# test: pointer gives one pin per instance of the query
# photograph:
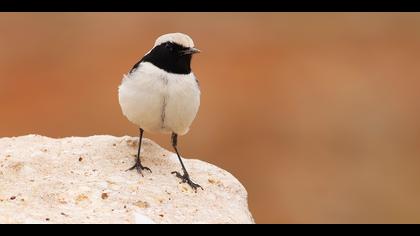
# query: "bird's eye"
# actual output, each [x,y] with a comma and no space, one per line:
[169,46]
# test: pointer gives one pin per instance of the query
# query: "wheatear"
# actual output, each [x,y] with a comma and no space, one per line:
[161,93]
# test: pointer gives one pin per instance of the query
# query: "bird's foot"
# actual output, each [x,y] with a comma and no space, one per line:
[185,178]
[139,167]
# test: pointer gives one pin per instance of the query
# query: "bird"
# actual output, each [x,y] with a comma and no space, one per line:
[161,94]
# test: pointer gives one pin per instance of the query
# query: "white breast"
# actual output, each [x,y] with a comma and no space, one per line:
[158,101]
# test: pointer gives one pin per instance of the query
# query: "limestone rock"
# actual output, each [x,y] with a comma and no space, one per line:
[84,180]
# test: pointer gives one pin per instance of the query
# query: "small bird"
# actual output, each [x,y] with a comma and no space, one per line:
[161,94]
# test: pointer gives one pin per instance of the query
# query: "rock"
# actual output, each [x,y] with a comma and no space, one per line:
[84,180]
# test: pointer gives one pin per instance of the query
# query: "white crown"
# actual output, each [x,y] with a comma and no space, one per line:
[179,38]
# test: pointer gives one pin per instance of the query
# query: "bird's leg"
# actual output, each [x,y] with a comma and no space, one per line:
[138,166]
[185,177]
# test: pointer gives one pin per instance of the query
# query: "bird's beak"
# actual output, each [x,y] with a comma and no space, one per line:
[191,51]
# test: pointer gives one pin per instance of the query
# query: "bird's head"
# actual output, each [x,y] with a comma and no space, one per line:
[172,52]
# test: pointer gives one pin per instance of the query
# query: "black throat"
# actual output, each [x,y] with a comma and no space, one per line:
[168,57]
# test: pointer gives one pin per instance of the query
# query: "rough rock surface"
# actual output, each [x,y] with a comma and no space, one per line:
[83,180]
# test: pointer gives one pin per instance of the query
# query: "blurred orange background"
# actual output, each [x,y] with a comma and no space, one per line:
[317,114]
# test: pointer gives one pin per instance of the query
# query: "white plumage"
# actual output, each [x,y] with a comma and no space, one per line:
[179,38]
[158,101]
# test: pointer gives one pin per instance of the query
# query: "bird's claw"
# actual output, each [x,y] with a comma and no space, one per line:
[185,178]
[139,167]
